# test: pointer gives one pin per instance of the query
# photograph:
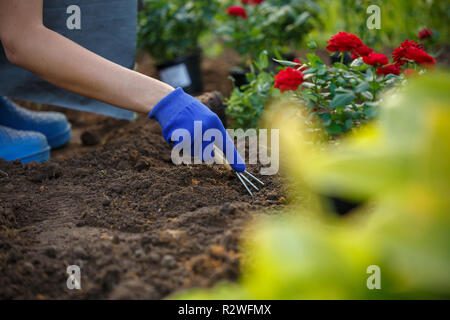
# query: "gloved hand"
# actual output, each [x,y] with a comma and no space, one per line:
[181,111]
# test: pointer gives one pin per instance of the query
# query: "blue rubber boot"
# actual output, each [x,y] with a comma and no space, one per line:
[53,125]
[26,146]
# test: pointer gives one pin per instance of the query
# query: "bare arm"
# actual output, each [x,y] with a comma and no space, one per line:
[60,61]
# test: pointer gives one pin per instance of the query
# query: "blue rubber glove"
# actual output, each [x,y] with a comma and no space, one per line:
[181,111]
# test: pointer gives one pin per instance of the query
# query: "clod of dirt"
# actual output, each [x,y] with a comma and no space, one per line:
[227,209]
[89,138]
[214,100]
[154,257]
[143,164]
[50,252]
[116,239]
[80,253]
[168,262]
[40,173]
[110,278]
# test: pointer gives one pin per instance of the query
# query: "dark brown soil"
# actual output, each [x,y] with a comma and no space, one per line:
[138,226]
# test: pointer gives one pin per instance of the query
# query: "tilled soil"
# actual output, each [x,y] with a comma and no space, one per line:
[137,225]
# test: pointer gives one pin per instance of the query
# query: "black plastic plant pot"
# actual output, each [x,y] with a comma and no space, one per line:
[337,56]
[239,76]
[184,72]
[341,206]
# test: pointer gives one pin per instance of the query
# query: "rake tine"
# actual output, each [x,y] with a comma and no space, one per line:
[248,181]
[244,184]
[255,178]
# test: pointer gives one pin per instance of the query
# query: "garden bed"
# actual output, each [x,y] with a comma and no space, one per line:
[138,226]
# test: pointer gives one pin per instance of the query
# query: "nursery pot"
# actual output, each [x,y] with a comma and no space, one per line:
[340,205]
[184,72]
[239,76]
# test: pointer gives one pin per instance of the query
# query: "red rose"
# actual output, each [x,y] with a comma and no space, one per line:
[425,33]
[288,79]
[361,51]
[389,69]
[399,53]
[376,59]
[419,56]
[343,41]
[237,11]
[245,1]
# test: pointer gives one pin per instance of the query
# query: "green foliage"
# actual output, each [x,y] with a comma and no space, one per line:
[170,29]
[246,104]
[273,25]
[342,97]
[401,163]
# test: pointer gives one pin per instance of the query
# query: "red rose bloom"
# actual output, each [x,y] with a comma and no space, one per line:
[289,79]
[425,33]
[389,69]
[237,11]
[363,51]
[419,56]
[343,41]
[399,53]
[376,59]
[245,1]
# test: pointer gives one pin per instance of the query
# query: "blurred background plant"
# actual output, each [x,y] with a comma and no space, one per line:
[172,29]
[272,25]
[402,165]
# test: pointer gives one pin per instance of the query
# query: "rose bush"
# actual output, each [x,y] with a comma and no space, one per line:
[337,97]
[341,96]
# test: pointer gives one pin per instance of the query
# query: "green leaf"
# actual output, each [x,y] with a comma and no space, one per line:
[340,66]
[334,129]
[367,94]
[310,70]
[364,86]
[312,45]
[341,81]
[308,85]
[314,60]
[342,99]
[264,59]
[322,71]
[326,119]
[369,75]
[357,63]
[286,63]
[348,123]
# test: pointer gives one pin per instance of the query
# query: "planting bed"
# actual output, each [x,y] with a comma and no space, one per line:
[138,226]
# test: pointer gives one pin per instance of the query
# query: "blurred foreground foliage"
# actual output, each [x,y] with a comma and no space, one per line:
[401,164]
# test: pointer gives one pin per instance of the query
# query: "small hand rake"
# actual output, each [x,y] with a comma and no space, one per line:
[243,176]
